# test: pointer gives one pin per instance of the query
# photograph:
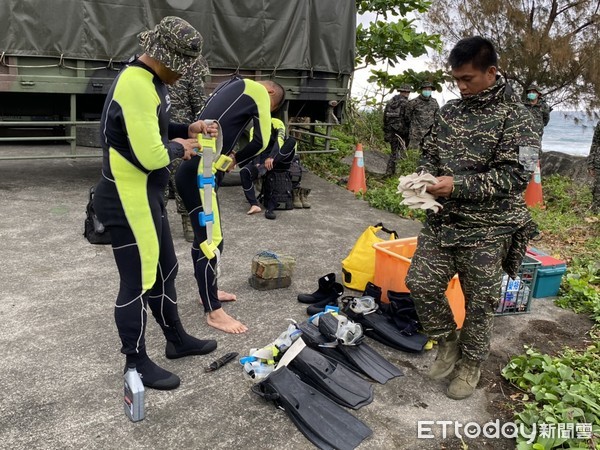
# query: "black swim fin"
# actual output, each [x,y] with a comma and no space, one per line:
[380,327]
[370,362]
[361,358]
[323,422]
[332,378]
[361,355]
[314,339]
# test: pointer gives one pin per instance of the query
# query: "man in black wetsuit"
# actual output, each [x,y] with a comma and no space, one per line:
[234,104]
[138,144]
[278,157]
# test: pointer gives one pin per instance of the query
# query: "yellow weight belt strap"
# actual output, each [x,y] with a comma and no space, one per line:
[209,216]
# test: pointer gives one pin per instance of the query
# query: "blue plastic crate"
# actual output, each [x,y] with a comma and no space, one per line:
[549,274]
[548,280]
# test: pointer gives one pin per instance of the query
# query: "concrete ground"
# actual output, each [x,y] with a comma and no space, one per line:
[61,373]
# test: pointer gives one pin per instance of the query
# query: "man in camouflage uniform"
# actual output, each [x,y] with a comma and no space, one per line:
[396,127]
[538,107]
[187,99]
[420,112]
[482,149]
[593,163]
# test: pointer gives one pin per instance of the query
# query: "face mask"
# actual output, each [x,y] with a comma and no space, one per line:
[426,93]
[532,96]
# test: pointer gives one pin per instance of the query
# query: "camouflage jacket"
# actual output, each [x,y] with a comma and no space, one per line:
[187,96]
[593,160]
[541,114]
[490,147]
[420,112]
[394,116]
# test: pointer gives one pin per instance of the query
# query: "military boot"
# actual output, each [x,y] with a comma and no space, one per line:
[464,380]
[188,231]
[447,355]
[303,197]
[296,197]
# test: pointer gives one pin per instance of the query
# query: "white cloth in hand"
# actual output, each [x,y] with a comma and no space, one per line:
[413,188]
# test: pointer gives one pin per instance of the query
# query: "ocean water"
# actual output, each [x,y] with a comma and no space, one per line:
[564,134]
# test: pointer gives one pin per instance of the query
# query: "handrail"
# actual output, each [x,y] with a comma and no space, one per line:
[316,134]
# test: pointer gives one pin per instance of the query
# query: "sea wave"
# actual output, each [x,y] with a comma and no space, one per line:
[568,132]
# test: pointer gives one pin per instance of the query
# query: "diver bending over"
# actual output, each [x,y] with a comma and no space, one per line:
[233,104]
[278,156]
[129,197]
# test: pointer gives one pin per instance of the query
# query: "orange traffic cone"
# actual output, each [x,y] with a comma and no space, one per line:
[357,181]
[533,193]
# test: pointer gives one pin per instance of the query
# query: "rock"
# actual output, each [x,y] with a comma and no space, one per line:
[375,161]
[564,164]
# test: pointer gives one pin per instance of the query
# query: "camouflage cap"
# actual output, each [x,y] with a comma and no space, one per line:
[405,88]
[426,84]
[534,87]
[173,42]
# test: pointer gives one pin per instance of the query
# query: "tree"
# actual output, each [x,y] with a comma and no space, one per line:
[390,41]
[410,77]
[551,43]
[387,40]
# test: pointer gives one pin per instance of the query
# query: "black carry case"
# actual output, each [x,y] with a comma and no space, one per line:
[93,230]
[278,186]
[296,172]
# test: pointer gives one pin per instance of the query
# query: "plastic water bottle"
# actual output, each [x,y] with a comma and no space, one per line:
[133,400]
[257,370]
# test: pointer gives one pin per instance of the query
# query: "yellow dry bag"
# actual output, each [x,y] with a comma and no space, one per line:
[359,266]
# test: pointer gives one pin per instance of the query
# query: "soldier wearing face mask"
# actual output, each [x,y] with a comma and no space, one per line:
[538,107]
[420,112]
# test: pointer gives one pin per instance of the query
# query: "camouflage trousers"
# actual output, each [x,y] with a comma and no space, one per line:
[480,274]
[398,151]
[180,206]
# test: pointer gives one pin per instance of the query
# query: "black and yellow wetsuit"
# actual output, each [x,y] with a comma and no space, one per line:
[234,103]
[280,148]
[135,134]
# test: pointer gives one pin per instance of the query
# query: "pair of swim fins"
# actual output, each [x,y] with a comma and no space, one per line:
[399,333]
[361,357]
[332,378]
[326,424]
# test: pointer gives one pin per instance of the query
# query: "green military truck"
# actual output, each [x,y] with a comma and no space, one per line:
[58,58]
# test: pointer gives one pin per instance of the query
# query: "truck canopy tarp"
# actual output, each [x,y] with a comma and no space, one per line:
[316,35]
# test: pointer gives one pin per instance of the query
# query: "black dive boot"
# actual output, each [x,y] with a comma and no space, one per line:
[325,291]
[180,344]
[318,307]
[372,290]
[153,376]
[402,304]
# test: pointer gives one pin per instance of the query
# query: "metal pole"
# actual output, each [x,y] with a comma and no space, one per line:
[328,129]
[73,128]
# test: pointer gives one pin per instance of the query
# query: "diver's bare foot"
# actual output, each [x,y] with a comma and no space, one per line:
[226,296]
[254,209]
[220,320]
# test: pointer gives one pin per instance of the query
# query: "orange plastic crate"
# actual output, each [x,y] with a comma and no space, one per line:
[392,260]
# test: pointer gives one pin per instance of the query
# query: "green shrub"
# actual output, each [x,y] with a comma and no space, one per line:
[559,390]
[579,289]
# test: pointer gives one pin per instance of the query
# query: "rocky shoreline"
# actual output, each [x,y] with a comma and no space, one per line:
[574,167]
